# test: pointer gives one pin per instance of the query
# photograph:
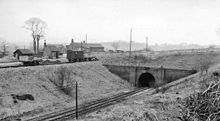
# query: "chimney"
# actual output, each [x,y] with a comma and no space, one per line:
[72,41]
[45,43]
[81,45]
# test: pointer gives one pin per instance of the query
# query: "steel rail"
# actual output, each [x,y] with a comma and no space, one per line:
[86,107]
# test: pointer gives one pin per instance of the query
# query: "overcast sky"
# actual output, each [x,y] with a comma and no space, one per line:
[163,21]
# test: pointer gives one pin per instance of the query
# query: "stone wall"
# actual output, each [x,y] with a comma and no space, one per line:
[162,75]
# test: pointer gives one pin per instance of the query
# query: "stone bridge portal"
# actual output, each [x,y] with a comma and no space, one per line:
[148,76]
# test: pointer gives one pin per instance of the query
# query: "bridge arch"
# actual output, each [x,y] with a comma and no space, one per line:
[146,80]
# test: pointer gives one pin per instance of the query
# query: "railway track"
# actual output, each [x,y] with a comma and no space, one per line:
[86,107]
[52,63]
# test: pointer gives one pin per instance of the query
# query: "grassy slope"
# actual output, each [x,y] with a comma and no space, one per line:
[144,107]
[160,106]
[95,81]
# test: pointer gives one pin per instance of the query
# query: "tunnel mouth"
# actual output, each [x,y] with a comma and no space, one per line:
[146,80]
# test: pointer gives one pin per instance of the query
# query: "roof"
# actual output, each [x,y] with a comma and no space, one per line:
[88,45]
[57,45]
[94,45]
[24,51]
[52,47]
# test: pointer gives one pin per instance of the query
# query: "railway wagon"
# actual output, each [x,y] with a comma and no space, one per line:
[28,60]
[78,56]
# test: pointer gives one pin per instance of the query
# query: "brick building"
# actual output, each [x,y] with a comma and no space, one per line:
[88,47]
[53,50]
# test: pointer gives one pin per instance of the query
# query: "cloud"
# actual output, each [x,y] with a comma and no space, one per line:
[172,21]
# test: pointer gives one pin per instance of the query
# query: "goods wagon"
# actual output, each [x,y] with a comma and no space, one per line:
[79,56]
[28,60]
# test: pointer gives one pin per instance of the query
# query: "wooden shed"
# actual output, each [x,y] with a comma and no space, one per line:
[23,52]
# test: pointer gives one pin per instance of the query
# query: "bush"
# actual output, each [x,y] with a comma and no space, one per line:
[203,106]
[63,81]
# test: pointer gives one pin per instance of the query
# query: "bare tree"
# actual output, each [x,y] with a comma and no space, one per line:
[37,28]
[4,46]
[15,47]
[115,45]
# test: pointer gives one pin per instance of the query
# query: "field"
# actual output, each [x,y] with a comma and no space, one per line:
[185,60]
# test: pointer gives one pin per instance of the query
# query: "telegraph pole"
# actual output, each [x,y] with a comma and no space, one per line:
[130,42]
[86,42]
[146,43]
[76,102]
[81,46]
[72,41]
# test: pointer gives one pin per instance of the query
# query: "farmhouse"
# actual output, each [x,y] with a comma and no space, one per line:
[94,47]
[61,47]
[53,50]
[23,52]
[88,47]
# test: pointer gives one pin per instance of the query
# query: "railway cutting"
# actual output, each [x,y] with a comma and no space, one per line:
[89,107]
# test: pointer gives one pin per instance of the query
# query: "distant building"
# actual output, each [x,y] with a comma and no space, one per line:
[111,51]
[23,52]
[88,47]
[53,50]
[95,47]
[1,54]
[120,51]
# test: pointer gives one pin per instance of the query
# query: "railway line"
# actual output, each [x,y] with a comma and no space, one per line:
[86,107]
[32,60]
[43,64]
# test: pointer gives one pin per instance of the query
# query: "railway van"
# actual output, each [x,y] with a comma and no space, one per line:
[79,56]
